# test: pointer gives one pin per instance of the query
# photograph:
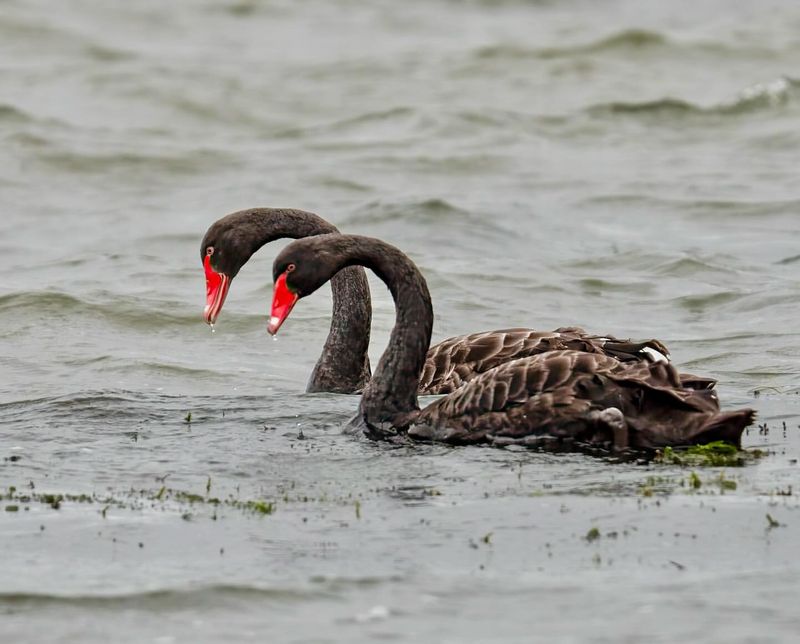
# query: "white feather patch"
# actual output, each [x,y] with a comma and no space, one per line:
[655,356]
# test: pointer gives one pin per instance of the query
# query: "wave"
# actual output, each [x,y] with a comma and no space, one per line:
[89,399]
[476,164]
[628,41]
[347,185]
[433,210]
[106,54]
[124,409]
[624,41]
[126,311]
[356,121]
[209,595]
[700,207]
[12,30]
[11,114]
[190,162]
[92,401]
[401,126]
[110,364]
[16,116]
[598,286]
[426,210]
[688,266]
[701,303]
[729,208]
[647,264]
[634,259]
[756,98]
[743,338]
[789,260]
[155,599]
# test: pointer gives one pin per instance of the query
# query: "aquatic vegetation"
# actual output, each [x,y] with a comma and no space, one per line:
[725,483]
[714,454]
[658,485]
[666,485]
[259,507]
[186,497]
[53,500]
[134,499]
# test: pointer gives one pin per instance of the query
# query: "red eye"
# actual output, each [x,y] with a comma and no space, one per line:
[210,250]
[290,268]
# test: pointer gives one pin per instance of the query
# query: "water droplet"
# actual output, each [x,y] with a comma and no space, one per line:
[274,338]
[212,328]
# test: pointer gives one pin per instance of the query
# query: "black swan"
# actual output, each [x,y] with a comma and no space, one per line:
[343,366]
[558,401]
[229,242]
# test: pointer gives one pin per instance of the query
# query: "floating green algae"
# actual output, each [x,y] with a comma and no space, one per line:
[258,507]
[592,535]
[134,500]
[714,454]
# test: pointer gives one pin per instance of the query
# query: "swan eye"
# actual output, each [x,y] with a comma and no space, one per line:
[210,251]
[290,268]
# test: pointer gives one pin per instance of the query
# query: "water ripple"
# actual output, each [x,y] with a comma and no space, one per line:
[622,42]
[124,310]
[166,600]
[628,42]
[755,99]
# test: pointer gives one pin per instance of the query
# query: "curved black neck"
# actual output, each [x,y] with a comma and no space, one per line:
[260,226]
[391,395]
[343,366]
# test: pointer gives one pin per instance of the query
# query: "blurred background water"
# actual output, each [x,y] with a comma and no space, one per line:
[626,166]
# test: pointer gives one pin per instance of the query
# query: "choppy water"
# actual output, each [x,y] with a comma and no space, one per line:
[629,167]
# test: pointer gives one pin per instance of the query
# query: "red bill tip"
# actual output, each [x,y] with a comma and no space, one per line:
[283,300]
[216,290]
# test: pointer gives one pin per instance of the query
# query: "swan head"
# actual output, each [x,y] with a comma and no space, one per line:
[225,248]
[300,269]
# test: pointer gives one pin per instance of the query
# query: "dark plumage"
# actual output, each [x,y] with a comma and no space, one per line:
[561,400]
[343,366]
[457,360]
[569,400]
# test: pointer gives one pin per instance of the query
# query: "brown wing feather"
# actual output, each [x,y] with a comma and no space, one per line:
[455,361]
[559,400]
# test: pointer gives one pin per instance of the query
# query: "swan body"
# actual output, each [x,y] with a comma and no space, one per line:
[558,400]
[569,400]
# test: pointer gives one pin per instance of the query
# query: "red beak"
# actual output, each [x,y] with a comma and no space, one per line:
[217,285]
[283,300]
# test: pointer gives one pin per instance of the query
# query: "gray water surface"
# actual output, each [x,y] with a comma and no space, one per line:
[630,167]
